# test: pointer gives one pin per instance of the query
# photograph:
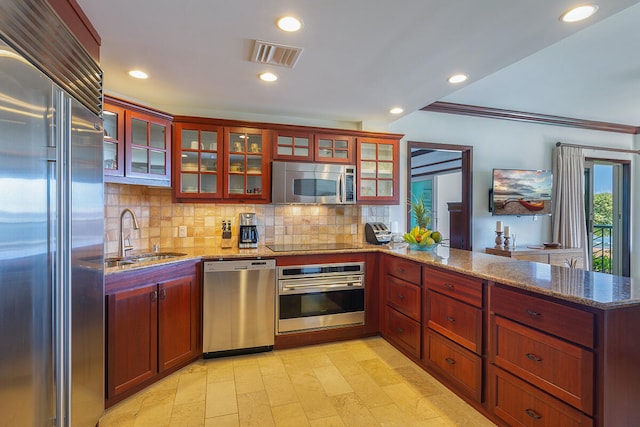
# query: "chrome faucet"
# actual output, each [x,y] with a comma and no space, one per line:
[121,247]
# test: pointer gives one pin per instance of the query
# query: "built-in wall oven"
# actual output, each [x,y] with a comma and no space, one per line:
[320,296]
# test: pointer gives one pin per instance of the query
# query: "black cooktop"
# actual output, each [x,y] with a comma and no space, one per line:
[293,247]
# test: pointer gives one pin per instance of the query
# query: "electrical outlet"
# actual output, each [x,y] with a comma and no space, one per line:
[182,231]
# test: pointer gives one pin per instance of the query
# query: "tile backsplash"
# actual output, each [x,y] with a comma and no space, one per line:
[159,220]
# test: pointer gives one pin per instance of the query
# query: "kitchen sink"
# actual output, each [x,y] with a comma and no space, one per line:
[136,259]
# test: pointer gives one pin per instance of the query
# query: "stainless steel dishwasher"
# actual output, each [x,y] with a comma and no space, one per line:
[238,306]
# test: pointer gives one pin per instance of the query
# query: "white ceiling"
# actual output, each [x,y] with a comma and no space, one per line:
[362,57]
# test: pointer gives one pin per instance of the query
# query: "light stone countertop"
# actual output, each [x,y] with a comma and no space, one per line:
[598,290]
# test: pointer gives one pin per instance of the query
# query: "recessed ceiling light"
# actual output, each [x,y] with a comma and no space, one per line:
[138,74]
[289,23]
[579,13]
[396,110]
[268,77]
[457,78]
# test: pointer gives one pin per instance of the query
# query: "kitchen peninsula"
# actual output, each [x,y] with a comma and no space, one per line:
[571,326]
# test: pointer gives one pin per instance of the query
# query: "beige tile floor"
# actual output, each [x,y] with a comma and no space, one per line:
[363,382]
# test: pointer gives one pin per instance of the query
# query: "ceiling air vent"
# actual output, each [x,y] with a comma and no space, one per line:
[275,54]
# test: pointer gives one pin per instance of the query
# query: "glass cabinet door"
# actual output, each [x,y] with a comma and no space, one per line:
[293,146]
[114,140]
[148,146]
[377,170]
[199,165]
[246,162]
[334,148]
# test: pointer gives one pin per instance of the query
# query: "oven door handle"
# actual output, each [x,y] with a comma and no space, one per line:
[311,288]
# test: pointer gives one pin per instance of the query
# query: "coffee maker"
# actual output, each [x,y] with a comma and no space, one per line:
[248,237]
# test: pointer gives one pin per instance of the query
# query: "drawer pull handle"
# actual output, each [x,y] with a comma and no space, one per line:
[400,330]
[533,414]
[532,313]
[400,270]
[448,286]
[400,296]
[533,357]
[450,361]
[450,319]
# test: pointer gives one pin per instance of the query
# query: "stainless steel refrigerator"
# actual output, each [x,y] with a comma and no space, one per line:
[51,252]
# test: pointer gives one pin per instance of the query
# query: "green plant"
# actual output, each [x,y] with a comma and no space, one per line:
[420,212]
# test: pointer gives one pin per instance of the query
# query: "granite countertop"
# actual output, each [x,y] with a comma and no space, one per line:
[598,290]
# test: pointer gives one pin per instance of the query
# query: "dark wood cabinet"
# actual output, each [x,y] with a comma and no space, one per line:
[247,163]
[452,333]
[132,328]
[137,144]
[177,340]
[457,225]
[517,403]
[546,344]
[197,162]
[293,145]
[402,305]
[153,326]
[456,320]
[461,368]
[378,170]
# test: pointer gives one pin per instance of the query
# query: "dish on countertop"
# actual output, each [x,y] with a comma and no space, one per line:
[552,245]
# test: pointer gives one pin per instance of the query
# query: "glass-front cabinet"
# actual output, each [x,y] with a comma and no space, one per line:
[137,144]
[293,145]
[113,146]
[247,155]
[334,148]
[199,161]
[148,149]
[378,171]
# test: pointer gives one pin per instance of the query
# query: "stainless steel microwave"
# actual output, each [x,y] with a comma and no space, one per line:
[329,184]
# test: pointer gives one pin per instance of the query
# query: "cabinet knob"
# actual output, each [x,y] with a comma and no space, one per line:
[450,361]
[448,286]
[400,296]
[450,319]
[533,414]
[163,294]
[154,296]
[400,330]
[532,313]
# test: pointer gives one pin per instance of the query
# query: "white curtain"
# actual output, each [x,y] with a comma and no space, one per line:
[569,223]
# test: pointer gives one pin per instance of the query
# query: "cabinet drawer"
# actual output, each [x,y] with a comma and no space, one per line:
[403,296]
[519,404]
[455,320]
[562,369]
[547,316]
[454,285]
[402,331]
[462,367]
[403,269]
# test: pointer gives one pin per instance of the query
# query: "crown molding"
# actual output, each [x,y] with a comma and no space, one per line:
[545,119]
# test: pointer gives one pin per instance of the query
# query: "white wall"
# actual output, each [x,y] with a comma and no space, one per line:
[449,189]
[503,144]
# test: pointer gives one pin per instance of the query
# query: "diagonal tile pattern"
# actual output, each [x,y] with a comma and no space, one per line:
[363,382]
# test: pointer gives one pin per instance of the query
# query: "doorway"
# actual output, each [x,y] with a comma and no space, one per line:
[433,176]
[607,208]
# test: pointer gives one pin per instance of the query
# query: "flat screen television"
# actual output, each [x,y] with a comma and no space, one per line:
[521,192]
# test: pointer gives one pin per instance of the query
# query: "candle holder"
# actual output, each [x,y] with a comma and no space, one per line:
[499,239]
[506,242]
